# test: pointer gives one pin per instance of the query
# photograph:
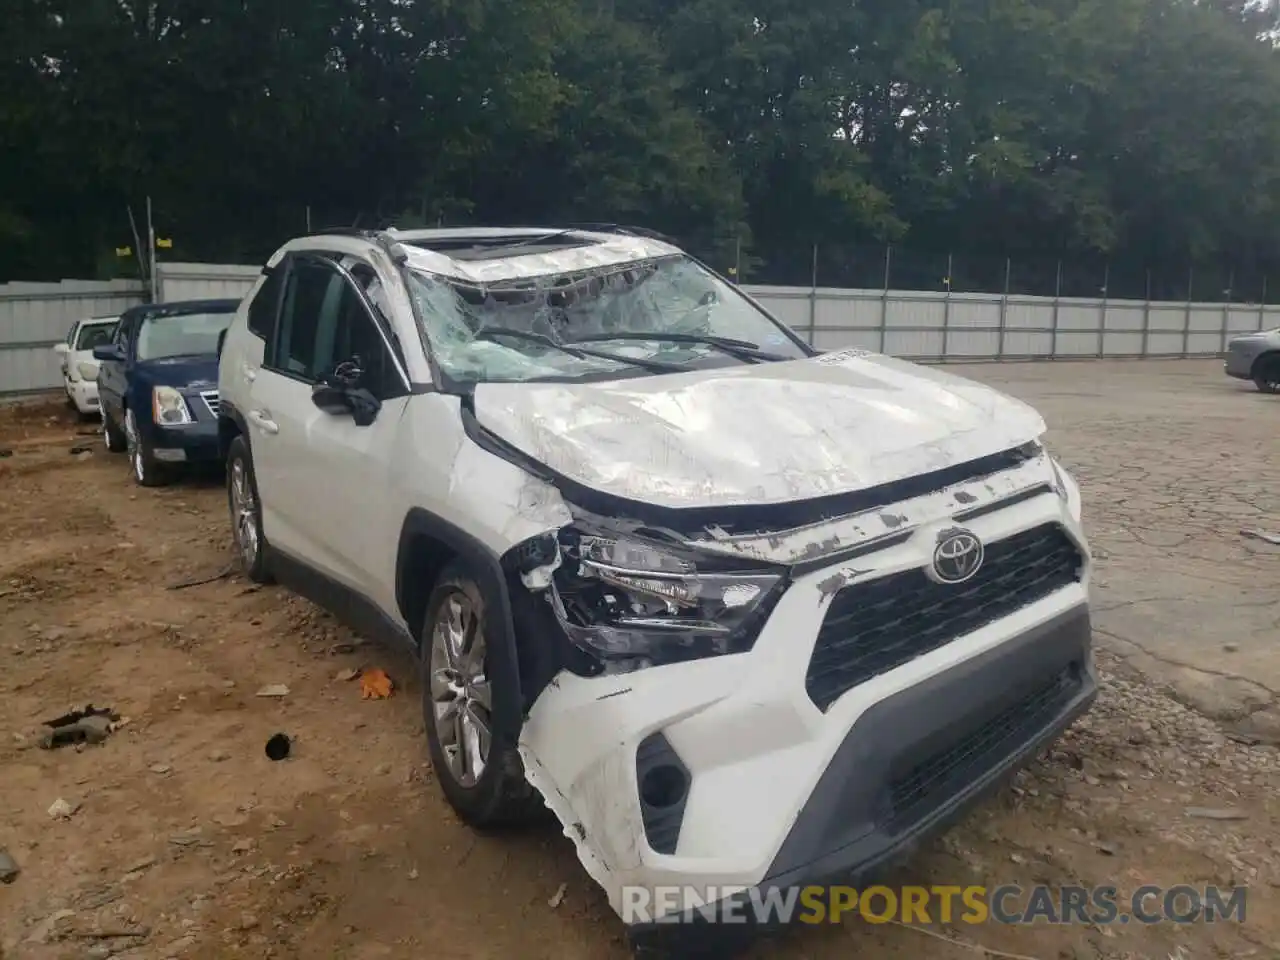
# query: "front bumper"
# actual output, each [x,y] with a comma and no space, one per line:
[1239,359]
[963,732]
[189,443]
[781,791]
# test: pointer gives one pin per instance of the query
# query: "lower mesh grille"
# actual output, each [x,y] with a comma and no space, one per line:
[930,783]
[874,627]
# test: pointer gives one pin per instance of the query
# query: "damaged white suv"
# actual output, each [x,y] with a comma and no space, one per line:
[742,615]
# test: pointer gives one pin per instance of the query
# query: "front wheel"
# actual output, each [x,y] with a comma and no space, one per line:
[146,471]
[480,773]
[1266,374]
[246,512]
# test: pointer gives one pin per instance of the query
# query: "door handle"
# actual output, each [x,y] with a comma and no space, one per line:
[263,422]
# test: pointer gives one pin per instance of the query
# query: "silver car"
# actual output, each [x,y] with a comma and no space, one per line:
[1256,357]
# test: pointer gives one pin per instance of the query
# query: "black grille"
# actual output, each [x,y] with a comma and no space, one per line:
[924,787]
[874,627]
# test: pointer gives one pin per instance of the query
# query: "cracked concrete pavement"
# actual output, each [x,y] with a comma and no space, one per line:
[1174,460]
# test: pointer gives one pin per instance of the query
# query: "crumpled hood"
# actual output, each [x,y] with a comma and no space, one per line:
[766,433]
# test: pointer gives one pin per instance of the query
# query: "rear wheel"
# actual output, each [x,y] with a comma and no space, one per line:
[480,773]
[1266,373]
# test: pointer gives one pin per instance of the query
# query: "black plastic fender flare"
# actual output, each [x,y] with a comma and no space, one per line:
[229,411]
[508,713]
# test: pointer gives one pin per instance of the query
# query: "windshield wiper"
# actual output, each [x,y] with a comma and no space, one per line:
[742,349]
[658,366]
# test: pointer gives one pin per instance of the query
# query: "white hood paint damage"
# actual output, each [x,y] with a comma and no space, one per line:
[770,433]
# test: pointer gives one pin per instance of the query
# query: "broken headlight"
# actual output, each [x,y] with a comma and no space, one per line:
[630,599]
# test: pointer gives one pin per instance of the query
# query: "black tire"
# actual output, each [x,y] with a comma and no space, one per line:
[112,435]
[1266,373]
[142,465]
[500,796]
[252,556]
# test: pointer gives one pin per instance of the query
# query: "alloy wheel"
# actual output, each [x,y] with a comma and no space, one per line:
[460,693]
[244,514]
[134,446]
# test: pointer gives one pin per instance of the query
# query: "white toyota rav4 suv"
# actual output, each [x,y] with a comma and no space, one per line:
[741,614]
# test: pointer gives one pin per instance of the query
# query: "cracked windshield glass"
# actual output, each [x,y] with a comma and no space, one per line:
[632,319]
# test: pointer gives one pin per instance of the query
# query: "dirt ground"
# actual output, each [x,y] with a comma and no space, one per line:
[184,840]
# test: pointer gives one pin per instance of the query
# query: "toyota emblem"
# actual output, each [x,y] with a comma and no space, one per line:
[957,557]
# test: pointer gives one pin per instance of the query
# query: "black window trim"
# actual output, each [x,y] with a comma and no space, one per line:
[279,272]
[269,359]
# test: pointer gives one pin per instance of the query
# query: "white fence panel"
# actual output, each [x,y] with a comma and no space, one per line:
[35,316]
[205,281]
[913,324]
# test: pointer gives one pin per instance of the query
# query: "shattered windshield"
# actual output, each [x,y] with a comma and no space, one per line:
[595,323]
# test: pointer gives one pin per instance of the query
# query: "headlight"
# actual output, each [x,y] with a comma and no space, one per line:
[623,598]
[88,370]
[168,408]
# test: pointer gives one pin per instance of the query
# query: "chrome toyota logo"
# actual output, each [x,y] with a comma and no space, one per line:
[957,557]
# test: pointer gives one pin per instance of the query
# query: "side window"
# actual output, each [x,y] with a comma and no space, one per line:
[303,344]
[263,309]
[358,340]
[324,322]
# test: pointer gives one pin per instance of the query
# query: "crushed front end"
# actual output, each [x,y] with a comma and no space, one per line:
[774,696]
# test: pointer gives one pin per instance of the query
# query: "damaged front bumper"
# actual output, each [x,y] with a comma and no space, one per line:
[851,726]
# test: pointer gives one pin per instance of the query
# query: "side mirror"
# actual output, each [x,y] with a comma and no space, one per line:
[61,348]
[337,394]
[108,351]
[330,398]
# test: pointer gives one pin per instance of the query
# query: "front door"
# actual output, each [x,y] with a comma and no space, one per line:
[322,478]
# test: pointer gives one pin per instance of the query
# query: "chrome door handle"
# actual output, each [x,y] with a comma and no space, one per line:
[263,422]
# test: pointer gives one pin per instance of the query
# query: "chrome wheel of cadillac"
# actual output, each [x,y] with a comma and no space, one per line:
[244,513]
[134,446]
[460,692]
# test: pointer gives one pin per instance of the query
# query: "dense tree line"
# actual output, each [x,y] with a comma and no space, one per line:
[1139,132]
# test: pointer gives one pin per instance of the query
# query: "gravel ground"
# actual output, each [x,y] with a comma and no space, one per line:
[180,838]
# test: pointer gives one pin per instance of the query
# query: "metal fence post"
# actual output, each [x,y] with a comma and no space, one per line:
[1146,318]
[737,260]
[813,297]
[946,311]
[1004,309]
[1102,311]
[1226,312]
[1053,331]
[884,297]
[1186,320]
[1262,307]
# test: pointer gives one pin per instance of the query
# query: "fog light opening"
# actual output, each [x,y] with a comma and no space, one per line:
[663,786]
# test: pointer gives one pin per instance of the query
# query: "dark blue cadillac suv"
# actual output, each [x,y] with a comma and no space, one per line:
[158,385]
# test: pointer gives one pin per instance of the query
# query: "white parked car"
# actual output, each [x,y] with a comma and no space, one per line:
[742,615]
[79,368]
